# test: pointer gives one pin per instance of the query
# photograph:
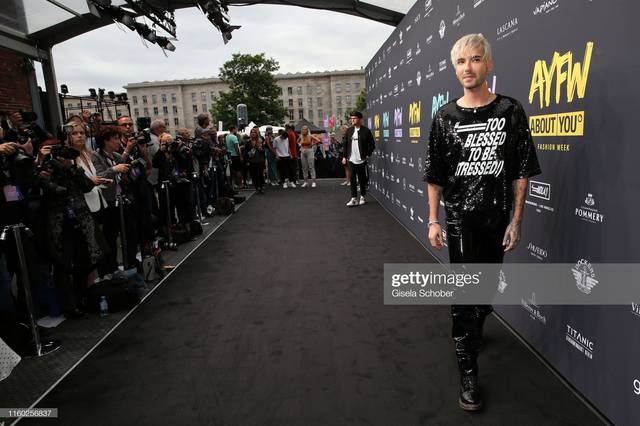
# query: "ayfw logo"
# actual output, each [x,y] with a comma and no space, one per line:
[540,190]
[397,117]
[585,276]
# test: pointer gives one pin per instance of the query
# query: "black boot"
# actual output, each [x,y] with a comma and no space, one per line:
[470,399]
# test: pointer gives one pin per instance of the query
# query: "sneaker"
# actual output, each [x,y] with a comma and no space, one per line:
[345,183]
[362,200]
[285,185]
[313,184]
[293,185]
[304,185]
[274,184]
[352,202]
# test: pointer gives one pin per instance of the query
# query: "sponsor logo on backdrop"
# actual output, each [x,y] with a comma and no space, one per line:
[385,124]
[477,3]
[420,192]
[542,191]
[411,164]
[418,77]
[412,188]
[404,184]
[420,164]
[376,125]
[579,341]
[438,100]
[389,72]
[502,282]
[397,122]
[414,120]
[404,161]
[430,73]
[401,86]
[411,214]
[442,28]
[429,39]
[400,37]
[396,91]
[534,310]
[420,219]
[409,27]
[480,144]
[566,76]
[636,386]
[409,55]
[635,309]
[418,49]
[428,7]
[508,28]
[537,252]
[546,7]
[459,17]
[585,276]
[588,211]
[369,123]
[442,65]
[417,18]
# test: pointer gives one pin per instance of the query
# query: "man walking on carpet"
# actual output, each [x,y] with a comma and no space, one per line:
[479,157]
[358,146]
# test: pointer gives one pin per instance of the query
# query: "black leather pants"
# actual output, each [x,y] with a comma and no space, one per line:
[473,238]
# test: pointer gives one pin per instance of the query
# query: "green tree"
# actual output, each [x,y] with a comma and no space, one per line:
[361,102]
[251,82]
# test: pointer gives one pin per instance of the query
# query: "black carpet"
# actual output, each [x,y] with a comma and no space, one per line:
[278,319]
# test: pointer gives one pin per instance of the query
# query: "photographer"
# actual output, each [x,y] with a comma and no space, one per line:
[69,228]
[175,164]
[20,127]
[201,149]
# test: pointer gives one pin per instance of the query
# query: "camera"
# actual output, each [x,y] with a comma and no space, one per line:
[143,137]
[64,151]
[138,169]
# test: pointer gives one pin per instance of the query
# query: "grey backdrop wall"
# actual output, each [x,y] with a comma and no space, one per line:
[574,66]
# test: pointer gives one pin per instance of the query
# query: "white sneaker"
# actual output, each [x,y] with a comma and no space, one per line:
[285,185]
[313,184]
[362,200]
[352,202]
[345,183]
[304,185]
[293,185]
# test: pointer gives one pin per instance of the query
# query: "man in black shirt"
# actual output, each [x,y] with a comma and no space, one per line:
[480,155]
[358,147]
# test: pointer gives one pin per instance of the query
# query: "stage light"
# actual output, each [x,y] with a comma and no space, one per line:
[164,43]
[101,93]
[124,96]
[111,94]
[92,92]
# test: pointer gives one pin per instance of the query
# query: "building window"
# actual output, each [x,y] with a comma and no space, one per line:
[176,121]
[155,110]
[356,86]
[338,87]
[173,98]
[319,102]
[309,102]
[289,90]
[299,90]
[136,112]
[164,98]
[203,96]
[175,109]
[318,90]
[204,107]
[338,100]
[135,100]
[348,99]
[213,95]
[310,114]
[146,111]
[290,102]
[290,115]
[144,99]
[193,96]
[300,114]
[347,87]
[154,99]
[195,121]
[166,122]
[195,108]
[320,115]
[300,102]
[165,110]
[309,90]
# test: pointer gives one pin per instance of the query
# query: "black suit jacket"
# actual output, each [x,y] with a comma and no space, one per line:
[366,143]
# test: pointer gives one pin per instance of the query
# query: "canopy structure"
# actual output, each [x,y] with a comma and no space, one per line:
[312,127]
[33,27]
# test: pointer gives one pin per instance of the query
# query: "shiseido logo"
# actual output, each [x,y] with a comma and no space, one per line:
[546,7]
[540,190]
[579,341]
[537,252]
[442,29]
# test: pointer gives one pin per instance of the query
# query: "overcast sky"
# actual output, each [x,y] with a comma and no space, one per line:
[299,39]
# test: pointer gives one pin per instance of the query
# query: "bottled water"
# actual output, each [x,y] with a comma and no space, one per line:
[104,306]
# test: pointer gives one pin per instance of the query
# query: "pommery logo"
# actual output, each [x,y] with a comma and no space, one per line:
[588,211]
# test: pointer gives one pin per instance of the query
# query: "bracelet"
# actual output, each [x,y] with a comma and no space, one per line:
[432,222]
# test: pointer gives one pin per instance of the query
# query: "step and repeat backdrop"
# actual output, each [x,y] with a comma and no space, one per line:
[574,66]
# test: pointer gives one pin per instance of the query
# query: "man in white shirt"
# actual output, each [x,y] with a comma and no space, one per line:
[358,147]
[281,146]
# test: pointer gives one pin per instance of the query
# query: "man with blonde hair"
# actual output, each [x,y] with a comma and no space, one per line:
[479,157]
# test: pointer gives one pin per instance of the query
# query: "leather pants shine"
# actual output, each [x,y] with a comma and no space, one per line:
[473,238]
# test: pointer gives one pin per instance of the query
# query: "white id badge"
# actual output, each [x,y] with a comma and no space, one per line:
[12,193]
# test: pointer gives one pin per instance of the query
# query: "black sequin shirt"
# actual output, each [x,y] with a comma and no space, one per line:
[475,154]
